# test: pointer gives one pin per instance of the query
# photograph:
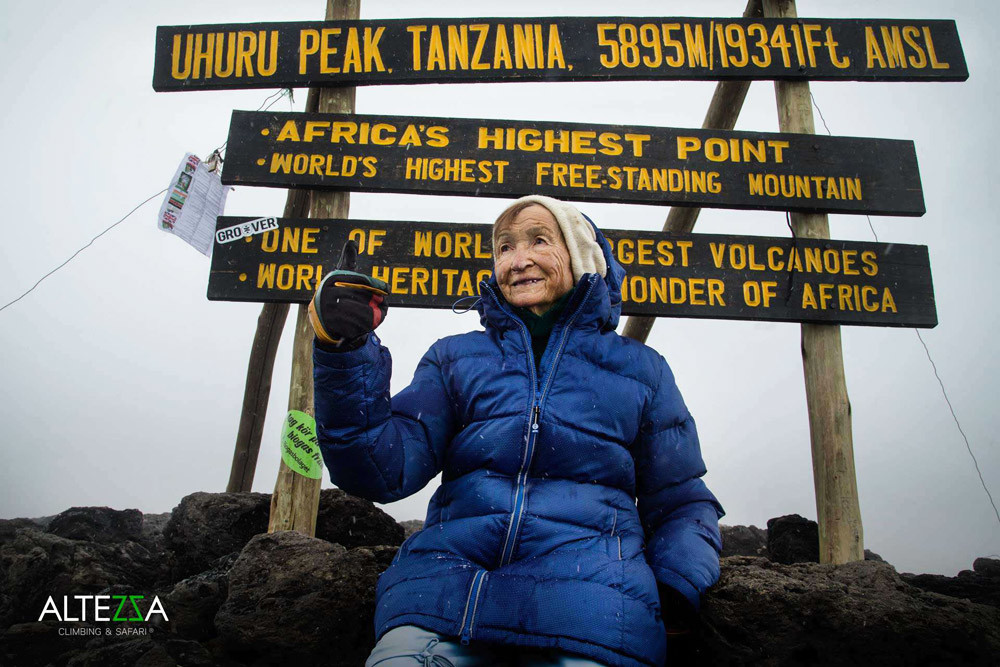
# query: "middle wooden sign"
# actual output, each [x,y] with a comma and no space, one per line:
[637,164]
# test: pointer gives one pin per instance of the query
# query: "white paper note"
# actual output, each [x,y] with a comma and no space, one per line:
[196,197]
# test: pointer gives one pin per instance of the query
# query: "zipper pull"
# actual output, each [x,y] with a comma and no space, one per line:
[466,637]
[534,419]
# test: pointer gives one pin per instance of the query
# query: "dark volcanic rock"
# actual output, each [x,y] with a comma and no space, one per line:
[743,541]
[250,598]
[871,555]
[792,539]
[207,526]
[27,644]
[152,531]
[411,526]
[97,524]
[982,584]
[142,652]
[988,567]
[189,653]
[35,565]
[860,613]
[354,522]
[193,602]
[9,527]
[299,600]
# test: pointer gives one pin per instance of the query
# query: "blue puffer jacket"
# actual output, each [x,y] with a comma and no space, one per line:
[534,537]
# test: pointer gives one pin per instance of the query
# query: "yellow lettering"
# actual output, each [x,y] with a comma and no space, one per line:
[646,252]
[420,276]
[481,30]
[555,53]
[888,303]
[501,50]
[421,244]
[309,240]
[286,276]
[910,35]
[225,59]
[825,295]
[687,144]
[373,56]
[868,259]
[352,55]
[203,56]
[263,69]
[893,43]
[435,50]
[327,50]
[308,45]
[246,47]
[718,253]
[175,57]
[872,51]
[265,275]
[715,290]
[695,42]
[416,31]
[808,297]
[524,46]
[935,63]
[458,46]
[665,251]
[303,274]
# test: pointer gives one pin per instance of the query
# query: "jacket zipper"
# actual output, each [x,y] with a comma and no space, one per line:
[536,410]
[468,619]
[473,598]
[522,476]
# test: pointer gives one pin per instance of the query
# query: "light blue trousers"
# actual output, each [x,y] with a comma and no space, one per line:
[410,646]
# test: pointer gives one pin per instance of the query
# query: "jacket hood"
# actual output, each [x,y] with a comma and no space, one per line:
[604,302]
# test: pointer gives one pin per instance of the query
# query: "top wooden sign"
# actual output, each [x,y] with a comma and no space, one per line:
[358,53]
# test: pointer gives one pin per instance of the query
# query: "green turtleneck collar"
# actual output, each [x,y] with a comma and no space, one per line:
[540,326]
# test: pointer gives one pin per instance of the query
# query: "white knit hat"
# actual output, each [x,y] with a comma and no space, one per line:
[585,253]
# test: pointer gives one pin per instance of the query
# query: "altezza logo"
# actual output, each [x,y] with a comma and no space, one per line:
[125,608]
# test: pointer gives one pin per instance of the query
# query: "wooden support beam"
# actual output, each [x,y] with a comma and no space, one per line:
[255,396]
[260,368]
[295,501]
[721,115]
[839,515]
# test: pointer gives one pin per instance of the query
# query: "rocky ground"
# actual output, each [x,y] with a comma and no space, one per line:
[236,596]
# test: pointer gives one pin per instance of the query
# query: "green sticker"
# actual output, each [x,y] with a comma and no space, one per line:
[299,447]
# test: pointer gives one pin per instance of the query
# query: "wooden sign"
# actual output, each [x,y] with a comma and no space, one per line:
[432,265]
[358,53]
[504,158]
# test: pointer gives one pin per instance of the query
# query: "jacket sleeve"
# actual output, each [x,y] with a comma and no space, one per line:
[374,446]
[680,516]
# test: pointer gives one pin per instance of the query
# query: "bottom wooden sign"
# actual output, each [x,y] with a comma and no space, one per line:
[432,265]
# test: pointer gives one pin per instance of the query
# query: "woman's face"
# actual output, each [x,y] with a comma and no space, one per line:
[531,261]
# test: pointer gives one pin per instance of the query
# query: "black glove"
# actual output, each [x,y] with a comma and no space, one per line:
[679,617]
[347,305]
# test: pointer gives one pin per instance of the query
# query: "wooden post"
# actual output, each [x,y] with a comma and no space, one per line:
[840,533]
[721,115]
[255,396]
[260,368]
[295,501]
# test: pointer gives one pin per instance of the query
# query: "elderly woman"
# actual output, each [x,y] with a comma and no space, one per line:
[548,427]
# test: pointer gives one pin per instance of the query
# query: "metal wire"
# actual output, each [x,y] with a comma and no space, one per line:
[144,202]
[944,392]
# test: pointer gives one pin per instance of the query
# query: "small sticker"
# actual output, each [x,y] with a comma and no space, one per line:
[299,447]
[248,228]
